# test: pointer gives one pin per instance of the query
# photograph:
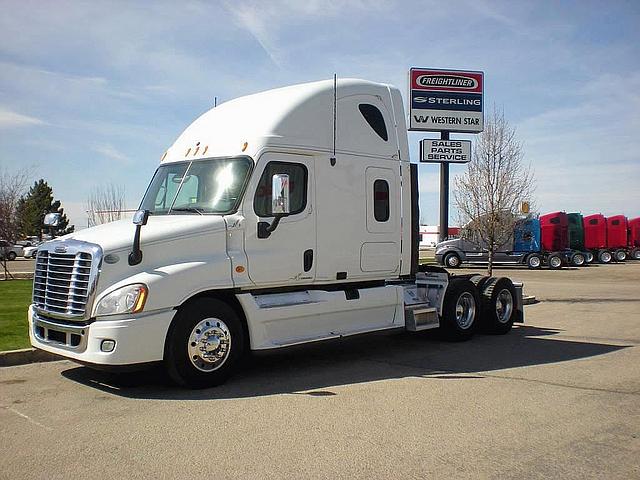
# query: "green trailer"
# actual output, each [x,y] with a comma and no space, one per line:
[576,235]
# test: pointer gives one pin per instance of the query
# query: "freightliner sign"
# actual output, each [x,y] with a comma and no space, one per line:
[451,151]
[445,100]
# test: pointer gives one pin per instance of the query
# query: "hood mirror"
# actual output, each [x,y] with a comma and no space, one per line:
[139,220]
[52,219]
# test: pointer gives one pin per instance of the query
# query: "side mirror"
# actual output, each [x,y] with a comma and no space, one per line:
[141,217]
[52,219]
[279,204]
[280,194]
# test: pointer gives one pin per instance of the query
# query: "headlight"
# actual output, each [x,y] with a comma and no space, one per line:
[128,299]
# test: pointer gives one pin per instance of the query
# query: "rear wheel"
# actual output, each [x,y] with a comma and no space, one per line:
[589,257]
[578,259]
[11,256]
[635,254]
[534,261]
[460,310]
[620,255]
[604,256]
[555,261]
[204,345]
[498,300]
[452,260]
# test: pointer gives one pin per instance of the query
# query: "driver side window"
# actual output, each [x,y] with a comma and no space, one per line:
[297,188]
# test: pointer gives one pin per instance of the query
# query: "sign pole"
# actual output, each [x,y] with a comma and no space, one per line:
[444,196]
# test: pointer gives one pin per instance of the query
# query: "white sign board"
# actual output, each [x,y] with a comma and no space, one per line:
[449,151]
[446,100]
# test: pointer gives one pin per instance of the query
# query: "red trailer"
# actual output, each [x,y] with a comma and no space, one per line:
[595,237]
[617,237]
[633,238]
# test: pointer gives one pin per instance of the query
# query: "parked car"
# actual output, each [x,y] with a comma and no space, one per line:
[31,252]
[10,252]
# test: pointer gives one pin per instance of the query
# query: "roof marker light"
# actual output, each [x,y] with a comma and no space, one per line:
[244,146]
[205,149]
[187,154]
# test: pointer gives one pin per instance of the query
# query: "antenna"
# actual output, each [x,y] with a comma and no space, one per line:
[335,114]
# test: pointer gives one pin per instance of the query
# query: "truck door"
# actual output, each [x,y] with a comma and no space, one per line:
[288,255]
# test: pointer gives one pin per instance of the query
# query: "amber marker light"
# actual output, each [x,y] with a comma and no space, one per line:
[239,269]
[142,298]
[244,146]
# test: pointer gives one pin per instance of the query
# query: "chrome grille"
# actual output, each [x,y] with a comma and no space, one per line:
[62,283]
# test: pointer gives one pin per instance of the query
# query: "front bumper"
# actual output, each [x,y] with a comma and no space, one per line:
[439,258]
[138,339]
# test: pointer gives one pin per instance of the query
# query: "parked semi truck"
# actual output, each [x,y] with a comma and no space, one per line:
[270,222]
[535,242]
[633,242]
[607,238]
[576,235]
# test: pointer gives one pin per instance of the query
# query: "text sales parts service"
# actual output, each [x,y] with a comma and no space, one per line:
[446,100]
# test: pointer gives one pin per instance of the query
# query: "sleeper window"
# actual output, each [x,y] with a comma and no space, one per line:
[381,200]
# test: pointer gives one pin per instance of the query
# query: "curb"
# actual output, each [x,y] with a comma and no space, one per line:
[11,358]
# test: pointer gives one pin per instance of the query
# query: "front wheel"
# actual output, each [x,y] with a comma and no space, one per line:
[621,255]
[205,344]
[452,260]
[555,261]
[635,254]
[604,256]
[11,256]
[589,257]
[460,310]
[578,259]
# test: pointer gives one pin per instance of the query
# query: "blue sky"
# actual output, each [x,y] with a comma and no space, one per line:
[94,92]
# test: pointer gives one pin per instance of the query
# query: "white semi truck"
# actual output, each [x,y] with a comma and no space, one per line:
[281,218]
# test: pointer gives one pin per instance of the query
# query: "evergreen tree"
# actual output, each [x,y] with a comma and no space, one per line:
[35,205]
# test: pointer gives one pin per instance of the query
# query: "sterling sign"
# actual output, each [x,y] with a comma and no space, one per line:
[449,151]
[446,100]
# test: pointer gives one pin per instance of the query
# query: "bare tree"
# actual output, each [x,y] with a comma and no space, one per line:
[12,187]
[105,204]
[488,195]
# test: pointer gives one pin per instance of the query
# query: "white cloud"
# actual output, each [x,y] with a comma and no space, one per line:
[110,152]
[10,119]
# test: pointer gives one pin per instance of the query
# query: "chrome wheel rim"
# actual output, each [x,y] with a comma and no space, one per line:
[209,344]
[555,262]
[534,262]
[637,255]
[465,310]
[453,261]
[589,257]
[578,260]
[606,257]
[504,305]
[621,256]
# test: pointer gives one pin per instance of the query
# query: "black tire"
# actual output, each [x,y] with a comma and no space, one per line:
[635,254]
[555,261]
[499,302]
[578,259]
[604,256]
[534,261]
[455,325]
[620,255]
[479,281]
[178,360]
[452,260]
[589,257]
[11,256]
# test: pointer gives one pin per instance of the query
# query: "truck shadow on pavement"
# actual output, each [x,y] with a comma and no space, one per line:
[316,369]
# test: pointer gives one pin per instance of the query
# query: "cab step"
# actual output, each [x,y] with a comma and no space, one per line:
[421,316]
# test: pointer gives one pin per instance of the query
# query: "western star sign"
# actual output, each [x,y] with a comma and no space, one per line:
[446,100]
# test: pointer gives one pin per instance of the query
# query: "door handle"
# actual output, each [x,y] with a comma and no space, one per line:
[308,260]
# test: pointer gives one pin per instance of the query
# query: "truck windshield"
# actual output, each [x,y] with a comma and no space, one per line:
[197,187]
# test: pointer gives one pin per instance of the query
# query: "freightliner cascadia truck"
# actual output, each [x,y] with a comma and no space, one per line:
[276,219]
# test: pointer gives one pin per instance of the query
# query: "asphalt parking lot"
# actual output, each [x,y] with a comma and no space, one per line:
[20,266]
[556,398]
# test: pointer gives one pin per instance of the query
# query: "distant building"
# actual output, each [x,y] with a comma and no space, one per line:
[429,234]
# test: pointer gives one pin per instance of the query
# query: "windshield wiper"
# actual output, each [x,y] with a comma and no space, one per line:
[188,209]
